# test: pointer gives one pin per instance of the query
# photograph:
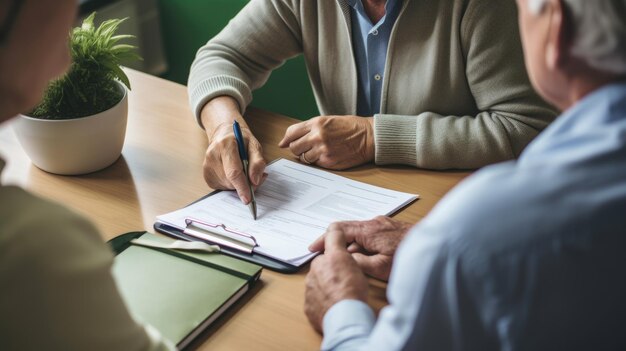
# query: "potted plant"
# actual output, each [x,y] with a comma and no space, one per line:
[80,125]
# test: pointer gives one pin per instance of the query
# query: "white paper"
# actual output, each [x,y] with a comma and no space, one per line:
[295,205]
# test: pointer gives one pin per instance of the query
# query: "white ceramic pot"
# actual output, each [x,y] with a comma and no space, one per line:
[75,146]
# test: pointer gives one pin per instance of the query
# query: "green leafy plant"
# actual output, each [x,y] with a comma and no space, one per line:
[90,85]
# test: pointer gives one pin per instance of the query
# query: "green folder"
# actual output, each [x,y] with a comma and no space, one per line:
[180,293]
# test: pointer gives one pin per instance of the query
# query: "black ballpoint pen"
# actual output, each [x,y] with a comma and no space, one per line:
[244,160]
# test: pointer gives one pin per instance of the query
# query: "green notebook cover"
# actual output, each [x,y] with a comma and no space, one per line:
[178,292]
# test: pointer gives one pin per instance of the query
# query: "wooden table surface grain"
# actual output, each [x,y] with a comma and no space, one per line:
[161,170]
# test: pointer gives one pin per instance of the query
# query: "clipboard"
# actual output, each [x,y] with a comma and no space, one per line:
[304,198]
[245,255]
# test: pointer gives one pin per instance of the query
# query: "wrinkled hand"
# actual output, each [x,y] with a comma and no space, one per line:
[373,243]
[334,142]
[222,165]
[334,276]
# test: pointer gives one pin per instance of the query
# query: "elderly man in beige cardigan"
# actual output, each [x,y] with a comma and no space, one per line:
[431,84]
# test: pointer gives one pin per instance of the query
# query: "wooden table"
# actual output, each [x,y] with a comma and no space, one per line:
[161,170]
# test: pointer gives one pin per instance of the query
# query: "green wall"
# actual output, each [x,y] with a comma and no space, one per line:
[189,24]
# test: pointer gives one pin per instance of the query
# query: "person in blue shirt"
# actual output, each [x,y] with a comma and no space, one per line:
[523,255]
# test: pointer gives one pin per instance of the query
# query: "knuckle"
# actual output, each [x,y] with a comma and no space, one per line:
[292,146]
[255,145]
[211,151]
[321,134]
[316,135]
[328,122]
[334,227]
[233,173]
[323,162]
[259,164]
[380,219]
[290,129]
[226,143]
[218,146]
[383,221]
[366,240]
[206,164]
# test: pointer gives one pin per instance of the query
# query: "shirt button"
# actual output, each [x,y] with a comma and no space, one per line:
[375,32]
[377,77]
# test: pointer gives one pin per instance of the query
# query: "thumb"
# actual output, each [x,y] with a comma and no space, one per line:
[318,244]
[294,132]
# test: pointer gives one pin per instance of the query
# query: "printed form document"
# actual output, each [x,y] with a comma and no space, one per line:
[295,205]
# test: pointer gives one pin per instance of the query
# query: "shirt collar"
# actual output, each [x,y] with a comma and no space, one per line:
[390,6]
[602,106]
[602,110]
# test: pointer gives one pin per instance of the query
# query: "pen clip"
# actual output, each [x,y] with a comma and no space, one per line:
[241,146]
[229,238]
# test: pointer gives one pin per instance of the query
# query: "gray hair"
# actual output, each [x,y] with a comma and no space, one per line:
[600,32]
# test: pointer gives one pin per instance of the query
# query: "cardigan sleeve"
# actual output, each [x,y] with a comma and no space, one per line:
[511,113]
[263,35]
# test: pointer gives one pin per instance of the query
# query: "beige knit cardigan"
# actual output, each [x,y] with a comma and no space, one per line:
[455,91]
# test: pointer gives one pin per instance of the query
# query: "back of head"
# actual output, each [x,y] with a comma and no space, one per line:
[573,47]
[33,49]
[599,37]
[600,33]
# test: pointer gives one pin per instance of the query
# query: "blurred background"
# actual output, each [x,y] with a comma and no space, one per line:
[169,32]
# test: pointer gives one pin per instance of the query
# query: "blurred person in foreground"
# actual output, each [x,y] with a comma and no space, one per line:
[56,287]
[523,255]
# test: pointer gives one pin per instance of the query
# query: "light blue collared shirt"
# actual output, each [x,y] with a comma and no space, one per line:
[526,255]
[370,42]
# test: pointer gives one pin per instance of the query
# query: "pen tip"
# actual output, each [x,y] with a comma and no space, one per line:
[253,209]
